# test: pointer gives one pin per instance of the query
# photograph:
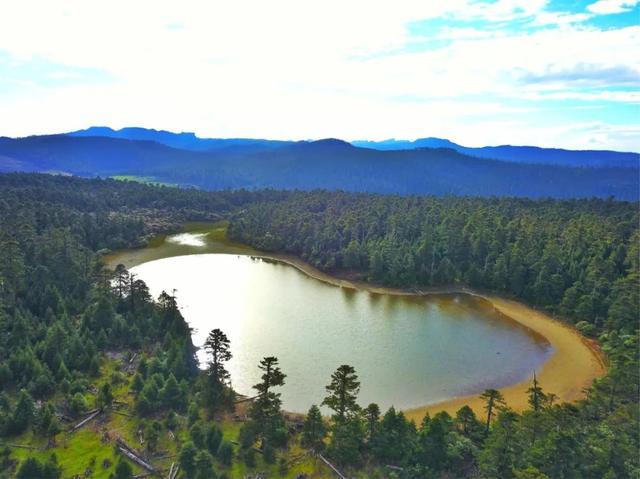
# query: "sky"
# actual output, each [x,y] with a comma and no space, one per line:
[561,73]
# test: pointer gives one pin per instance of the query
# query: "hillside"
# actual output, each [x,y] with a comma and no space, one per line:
[185,140]
[326,164]
[514,154]
[518,154]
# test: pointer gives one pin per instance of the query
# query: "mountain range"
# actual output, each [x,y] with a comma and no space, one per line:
[427,166]
[517,154]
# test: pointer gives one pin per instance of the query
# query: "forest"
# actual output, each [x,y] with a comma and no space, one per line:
[78,340]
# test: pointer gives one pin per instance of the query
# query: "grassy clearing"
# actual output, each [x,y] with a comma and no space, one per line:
[216,241]
[91,452]
[85,449]
[148,180]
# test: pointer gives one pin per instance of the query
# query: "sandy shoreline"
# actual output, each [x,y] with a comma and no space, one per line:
[575,363]
[573,366]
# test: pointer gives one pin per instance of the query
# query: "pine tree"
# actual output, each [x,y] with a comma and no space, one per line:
[314,429]
[217,346]
[494,401]
[537,397]
[265,412]
[343,392]
[371,416]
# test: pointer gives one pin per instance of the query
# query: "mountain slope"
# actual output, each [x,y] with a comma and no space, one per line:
[187,141]
[517,154]
[328,164]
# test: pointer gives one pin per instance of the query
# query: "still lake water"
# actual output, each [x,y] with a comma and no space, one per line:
[407,351]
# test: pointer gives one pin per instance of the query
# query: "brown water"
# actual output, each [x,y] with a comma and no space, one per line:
[407,351]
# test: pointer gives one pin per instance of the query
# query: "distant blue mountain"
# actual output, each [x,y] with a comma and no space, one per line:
[184,141]
[306,165]
[393,144]
[514,154]
[517,154]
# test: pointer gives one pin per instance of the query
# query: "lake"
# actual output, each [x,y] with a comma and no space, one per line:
[408,351]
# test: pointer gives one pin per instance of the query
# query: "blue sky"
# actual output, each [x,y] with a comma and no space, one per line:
[550,73]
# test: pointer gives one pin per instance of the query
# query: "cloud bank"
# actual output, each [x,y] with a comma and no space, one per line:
[479,72]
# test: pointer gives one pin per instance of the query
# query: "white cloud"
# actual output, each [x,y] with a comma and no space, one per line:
[300,69]
[559,18]
[598,135]
[606,7]
[629,97]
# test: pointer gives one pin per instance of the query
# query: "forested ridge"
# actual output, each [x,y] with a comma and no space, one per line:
[330,163]
[75,337]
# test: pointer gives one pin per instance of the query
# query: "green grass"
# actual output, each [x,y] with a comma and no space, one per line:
[216,235]
[85,448]
[75,453]
[158,247]
[148,180]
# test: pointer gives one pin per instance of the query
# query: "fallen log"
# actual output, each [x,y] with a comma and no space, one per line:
[246,399]
[173,471]
[84,421]
[21,446]
[394,468]
[332,467]
[137,460]
[123,443]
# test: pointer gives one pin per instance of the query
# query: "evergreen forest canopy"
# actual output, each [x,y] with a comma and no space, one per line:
[75,337]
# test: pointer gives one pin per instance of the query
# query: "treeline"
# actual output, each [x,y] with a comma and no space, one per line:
[576,258]
[106,213]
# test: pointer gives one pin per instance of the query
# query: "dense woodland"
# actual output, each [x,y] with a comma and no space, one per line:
[64,318]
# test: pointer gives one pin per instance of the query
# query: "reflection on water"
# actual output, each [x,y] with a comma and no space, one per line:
[189,239]
[408,351]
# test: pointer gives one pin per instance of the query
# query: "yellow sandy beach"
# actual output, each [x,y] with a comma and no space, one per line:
[575,363]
